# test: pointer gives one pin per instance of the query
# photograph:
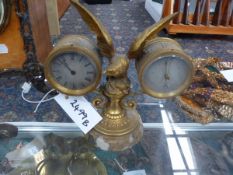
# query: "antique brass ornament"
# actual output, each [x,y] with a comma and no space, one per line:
[86,164]
[5,13]
[121,126]
[79,163]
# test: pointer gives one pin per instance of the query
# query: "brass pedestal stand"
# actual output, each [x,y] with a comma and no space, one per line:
[121,126]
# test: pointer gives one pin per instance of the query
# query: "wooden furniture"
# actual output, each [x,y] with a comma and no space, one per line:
[11,37]
[55,9]
[202,20]
[62,6]
[39,23]
[53,18]
[40,27]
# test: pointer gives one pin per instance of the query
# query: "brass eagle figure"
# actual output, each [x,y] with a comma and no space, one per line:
[121,126]
[119,65]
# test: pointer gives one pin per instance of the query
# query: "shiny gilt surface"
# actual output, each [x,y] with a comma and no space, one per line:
[104,40]
[140,41]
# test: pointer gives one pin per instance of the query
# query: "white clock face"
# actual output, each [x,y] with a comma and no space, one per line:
[167,75]
[73,70]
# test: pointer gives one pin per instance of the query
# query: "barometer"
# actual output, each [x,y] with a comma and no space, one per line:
[164,70]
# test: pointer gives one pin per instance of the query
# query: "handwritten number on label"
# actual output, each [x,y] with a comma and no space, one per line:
[72,104]
[81,112]
[85,123]
[76,108]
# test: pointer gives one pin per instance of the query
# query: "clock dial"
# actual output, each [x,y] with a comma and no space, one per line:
[74,67]
[166,74]
[73,70]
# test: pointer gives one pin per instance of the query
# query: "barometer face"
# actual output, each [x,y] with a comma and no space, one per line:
[166,76]
[73,73]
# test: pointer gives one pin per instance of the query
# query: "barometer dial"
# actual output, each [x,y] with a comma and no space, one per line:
[166,76]
[164,70]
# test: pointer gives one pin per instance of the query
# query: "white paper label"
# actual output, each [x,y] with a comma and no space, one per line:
[228,74]
[80,111]
[137,172]
[3,49]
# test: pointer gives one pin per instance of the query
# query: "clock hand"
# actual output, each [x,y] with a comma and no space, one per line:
[166,75]
[165,84]
[67,66]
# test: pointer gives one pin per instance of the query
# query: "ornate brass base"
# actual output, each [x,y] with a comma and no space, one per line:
[119,134]
[121,126]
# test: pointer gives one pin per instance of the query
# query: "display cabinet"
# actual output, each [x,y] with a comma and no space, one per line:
[172,143]
[166,148]
[37,137]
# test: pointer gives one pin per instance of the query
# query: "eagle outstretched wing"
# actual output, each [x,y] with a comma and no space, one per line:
[104,40]
[138,44]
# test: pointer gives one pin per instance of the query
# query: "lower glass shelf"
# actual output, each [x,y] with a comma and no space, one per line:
[66,127]
[166,149]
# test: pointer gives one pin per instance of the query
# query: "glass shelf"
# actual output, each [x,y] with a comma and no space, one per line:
[166,148]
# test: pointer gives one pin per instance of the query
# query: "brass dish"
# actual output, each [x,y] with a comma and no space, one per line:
[86,164]
[80,163]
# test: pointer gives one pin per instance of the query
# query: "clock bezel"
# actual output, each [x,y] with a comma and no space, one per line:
[80,50]
[153,57]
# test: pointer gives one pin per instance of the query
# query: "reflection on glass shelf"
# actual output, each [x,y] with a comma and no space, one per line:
[186,147]
[176,158]
[193,173]
[179,146]
[167,148]
[183,173]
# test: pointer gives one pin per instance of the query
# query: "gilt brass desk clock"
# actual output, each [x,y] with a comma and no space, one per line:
[74,68]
